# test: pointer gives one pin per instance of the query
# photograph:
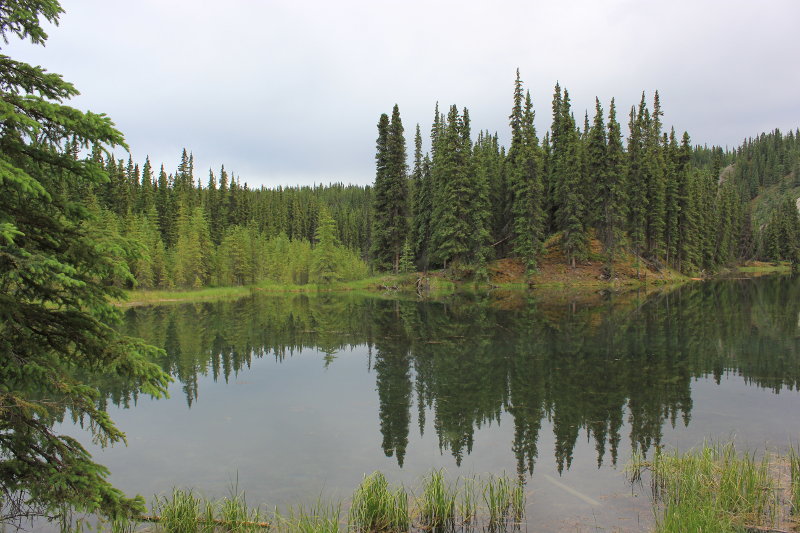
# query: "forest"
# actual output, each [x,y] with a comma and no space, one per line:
[463,204]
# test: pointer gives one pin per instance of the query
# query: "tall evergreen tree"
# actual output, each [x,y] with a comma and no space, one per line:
[451,232]
[596,157]
[57,333]
[390,225]
[612,190]
[654,168]
[525,168]
[637,186]
[566,176]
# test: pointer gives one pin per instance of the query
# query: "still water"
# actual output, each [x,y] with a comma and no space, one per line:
[295,397]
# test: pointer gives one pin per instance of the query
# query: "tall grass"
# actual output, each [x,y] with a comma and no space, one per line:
[497,496]
[468,503]
[376,507]
[179,512]
[713,488]
[437,506]
[318,518]
[233,514]
[794,480]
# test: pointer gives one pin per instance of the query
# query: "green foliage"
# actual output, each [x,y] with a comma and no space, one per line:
[55,320]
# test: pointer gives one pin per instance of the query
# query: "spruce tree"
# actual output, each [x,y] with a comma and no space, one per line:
[613,189]
[635,178]
[324,258]
[566,176]
[422,204]
[390,226]
[525,168]
[655,181]
[454,234]
[672,200]
[596,157]
[57,333]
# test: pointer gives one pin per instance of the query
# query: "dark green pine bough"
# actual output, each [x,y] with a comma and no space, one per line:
[55,335]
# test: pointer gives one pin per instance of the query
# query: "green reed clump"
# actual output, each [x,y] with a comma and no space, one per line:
[710,489]
[518,501]
[468,503]
[794,471]
[497,496]
[377,508]
[234,515]
[180,512]
[437,506]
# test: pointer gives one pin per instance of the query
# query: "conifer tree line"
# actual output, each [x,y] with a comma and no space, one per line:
[174,232]
[648,192]
[468,200]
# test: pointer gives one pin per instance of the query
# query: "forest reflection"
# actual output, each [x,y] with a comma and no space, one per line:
[593,363]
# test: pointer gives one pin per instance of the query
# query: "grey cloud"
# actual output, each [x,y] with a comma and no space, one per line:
[285,92]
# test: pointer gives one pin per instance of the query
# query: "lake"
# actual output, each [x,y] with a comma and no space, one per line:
[295,397]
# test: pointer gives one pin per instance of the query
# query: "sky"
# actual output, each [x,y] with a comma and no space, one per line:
[290,92]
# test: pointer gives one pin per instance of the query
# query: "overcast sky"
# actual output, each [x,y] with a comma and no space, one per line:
[289,92]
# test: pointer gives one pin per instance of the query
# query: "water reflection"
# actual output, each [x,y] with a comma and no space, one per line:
[592,363]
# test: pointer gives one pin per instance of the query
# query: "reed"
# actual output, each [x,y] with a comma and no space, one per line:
[437,506]
[317,518]
[518,501]
[234,515]
[713,488]
[497,496]
[179,512]
[468,503]
[794,477]
[378,508]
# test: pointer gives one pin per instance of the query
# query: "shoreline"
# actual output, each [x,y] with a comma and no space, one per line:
[438,285]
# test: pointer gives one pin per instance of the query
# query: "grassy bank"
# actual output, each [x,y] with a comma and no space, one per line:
[376,284]
[715,488]
[760,268]
[504,275]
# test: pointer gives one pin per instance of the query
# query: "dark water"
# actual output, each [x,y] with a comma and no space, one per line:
[296,397]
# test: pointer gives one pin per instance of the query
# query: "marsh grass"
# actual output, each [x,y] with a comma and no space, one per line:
[437,506]
[234,515]
[468,502]
[443,506]
[179,512]
[377,507]
[794,480]
[317,518]
[497,497]
[713,488]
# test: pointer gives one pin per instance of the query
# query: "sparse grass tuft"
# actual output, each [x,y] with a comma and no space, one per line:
[318,518]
